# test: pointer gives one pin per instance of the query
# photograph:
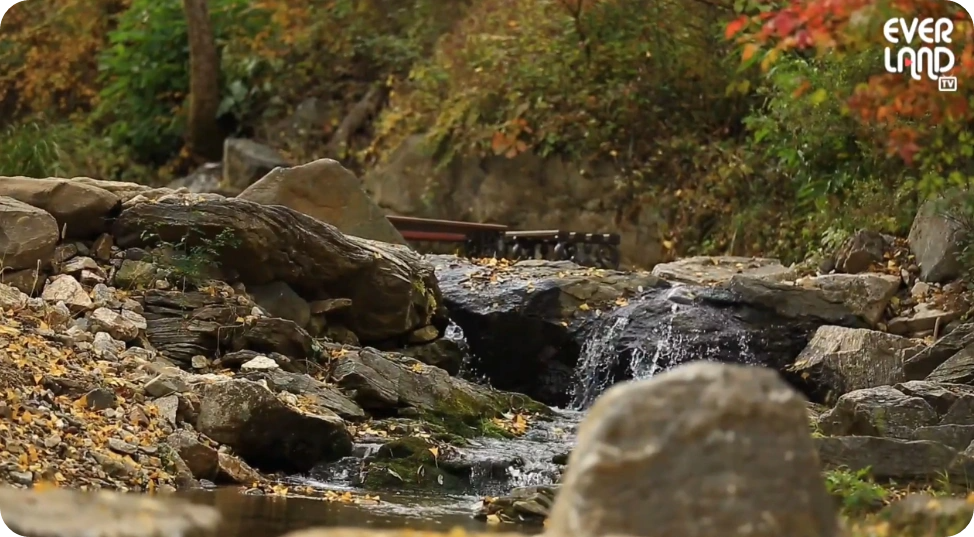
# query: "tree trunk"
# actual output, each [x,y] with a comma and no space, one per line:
[204,138]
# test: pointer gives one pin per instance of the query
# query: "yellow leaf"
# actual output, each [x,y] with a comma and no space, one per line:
[435,451]
[38,378]
[493,519]
[668,244]
[584,307]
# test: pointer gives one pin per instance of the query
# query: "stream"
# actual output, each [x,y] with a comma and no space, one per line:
[498,465]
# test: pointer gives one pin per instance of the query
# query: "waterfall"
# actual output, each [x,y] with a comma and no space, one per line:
[596,361]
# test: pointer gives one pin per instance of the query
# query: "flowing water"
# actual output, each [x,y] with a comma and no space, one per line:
[497,466]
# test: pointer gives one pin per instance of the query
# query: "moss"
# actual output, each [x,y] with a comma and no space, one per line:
[408,463]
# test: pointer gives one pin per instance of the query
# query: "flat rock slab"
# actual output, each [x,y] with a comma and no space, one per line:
[68,513]
[706,270]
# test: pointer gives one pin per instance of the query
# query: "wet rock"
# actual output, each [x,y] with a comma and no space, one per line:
[328,192]
[118,325]
[386,383]
[69,513]
[521,320]
[29,235]
[523,504]
[278,299]
[918,366]
[881,411]
[81,211]
[744,321]
[267,433]
[866,295]
[841,360]
[64,288]
[392,290]
[733,441]
[705,270]
[935,240]
[891,458]
[444,353]
[246,161]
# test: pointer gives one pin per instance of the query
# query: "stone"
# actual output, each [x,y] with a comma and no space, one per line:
[99,399]
[957,437]
[325,190]
[28,235]
[924,317]
[63,512]
[703,449]
[278,299]
[918,366]
[205,461]
[330,306]
[64,288]
[866,295]
[425,334]
[890,458]
[166,384]
[168,408]
[941,396]
[107,347]
[12,298]
[260,363]
[880,411]
[30,281]
[860,251]
[847,359]
[200,362]
[266,432]
[81,211]
[922,514]
[393,291]
[77,264]
[704,270]
[444,353]
[101,249]
[246,161]
[958,369]
[935,239]
[135,275]
[118,325]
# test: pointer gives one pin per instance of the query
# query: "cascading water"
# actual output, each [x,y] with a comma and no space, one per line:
[616,350]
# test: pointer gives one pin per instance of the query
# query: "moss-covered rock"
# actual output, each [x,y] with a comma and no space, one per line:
[413,462]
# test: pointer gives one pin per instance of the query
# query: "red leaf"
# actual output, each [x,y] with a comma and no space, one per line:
[735,26]
[499,143]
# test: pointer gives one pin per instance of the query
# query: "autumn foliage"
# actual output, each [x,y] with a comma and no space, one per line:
[910,109]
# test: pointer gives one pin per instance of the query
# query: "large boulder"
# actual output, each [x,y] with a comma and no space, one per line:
[866,295]
[700,450]
[246,161]
[82,211]
[325,190]
[393,291]
[265,431]
[921,364]
[28,235]
[882,411]
[936,239]
[71,513]
[840,360]
[520,320]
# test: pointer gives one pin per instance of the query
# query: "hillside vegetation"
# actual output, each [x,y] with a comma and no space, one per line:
[753,140]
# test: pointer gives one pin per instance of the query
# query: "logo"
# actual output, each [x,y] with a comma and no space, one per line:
[930,58]
[947,83]
[5,6]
